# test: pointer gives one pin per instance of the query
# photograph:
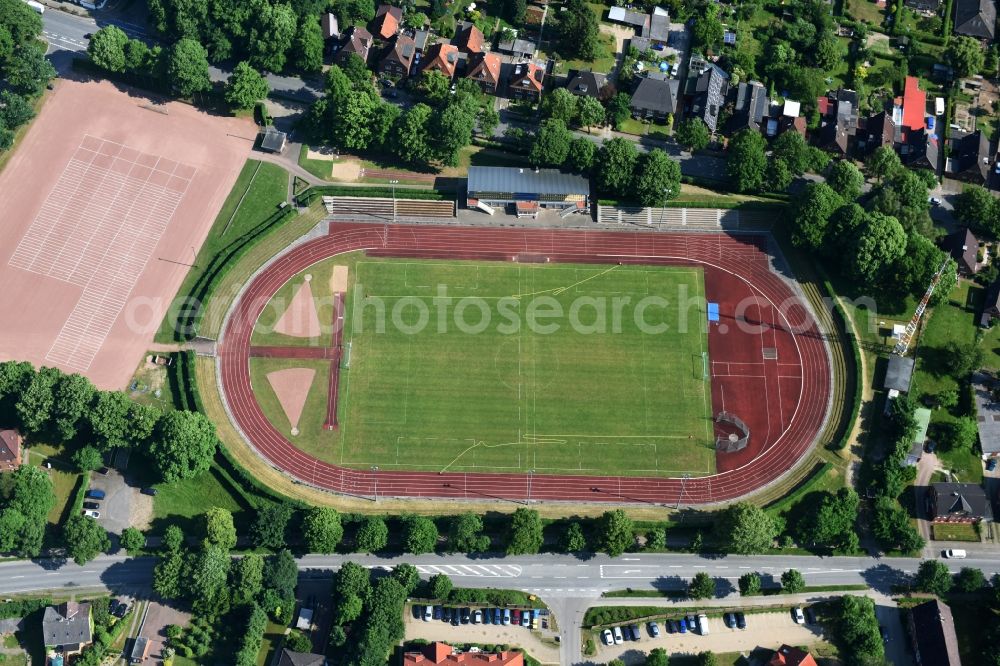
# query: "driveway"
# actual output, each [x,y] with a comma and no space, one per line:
[522,637]
[116,507]
[767,630]
[158,618]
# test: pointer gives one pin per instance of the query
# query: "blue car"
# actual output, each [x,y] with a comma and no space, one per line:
[496,616]
[437,612]
[487,616]
[505,620]
[96,494]
[991,464]
[683,626]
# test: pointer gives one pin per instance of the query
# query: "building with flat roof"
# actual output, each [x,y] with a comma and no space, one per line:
[527,188]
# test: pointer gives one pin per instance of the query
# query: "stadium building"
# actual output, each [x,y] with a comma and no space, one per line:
[526,189]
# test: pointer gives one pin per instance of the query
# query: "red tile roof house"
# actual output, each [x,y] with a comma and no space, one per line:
[484,69]
[443,58]
[442,653]
[791,656]
[526,82]
[468,38]
[398,57]
[357,41]
[10,450]
[386,22]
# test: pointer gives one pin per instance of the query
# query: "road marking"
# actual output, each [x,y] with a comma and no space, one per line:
[630,559]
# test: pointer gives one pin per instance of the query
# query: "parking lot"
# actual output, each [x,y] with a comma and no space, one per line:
[768,630]
[544,650]
[158,617]
[116,507]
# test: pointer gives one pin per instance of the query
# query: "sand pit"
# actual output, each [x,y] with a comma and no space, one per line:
[300,319]
[291,386]
[322,154]
[102,213]
[338,281]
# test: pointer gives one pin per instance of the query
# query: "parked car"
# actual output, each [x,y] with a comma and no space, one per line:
[466,615]
[428,613]
[741,620]
[653,629]
[692,623]
[456,617]
[682,625]
[606,637]
[437,612]
[810,615]
[418,611]
[477,617]
[634,631]
[798,616]
[92,514]
[935,201]
[487,616]
[496,616]
[526,618]
[991,464]
[446,614]
[120,609]
[95,493]
[148,491]
[955,554]
[703,624]
[517,616]
[617,633]
[730,620]
[91,505]
[671,626]
[506,617]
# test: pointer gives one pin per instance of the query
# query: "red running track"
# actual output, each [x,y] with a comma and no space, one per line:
[784,400]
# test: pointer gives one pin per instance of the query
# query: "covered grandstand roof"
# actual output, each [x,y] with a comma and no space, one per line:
[513,179]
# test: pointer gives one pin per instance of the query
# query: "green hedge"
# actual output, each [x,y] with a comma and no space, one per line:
[709,203]
[472,595]
[312,193]
[79,493]
[843,322]
[22,607]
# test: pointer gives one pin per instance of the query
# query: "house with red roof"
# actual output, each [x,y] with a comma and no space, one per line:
[468,38]
[442,653]
[357,41]
[397,59]
[791,656]
[10,450]
[919,145]
[386,22]
[443,58]
[484,69]
[526,82]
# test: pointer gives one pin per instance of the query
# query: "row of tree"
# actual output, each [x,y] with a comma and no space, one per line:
[24,71]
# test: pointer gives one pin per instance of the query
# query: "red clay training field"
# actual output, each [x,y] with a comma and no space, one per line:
[775,376]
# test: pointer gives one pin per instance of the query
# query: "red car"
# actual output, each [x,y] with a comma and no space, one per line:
[517,616]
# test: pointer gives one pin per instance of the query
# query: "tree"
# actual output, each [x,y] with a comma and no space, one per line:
[84,538]
[880,242]
[466,534]
[970,580]
[580,157]
[87,459]
[281,573]
[407,576]
[573,540]
[933,577]
[247,577]
[810,214]
[616,162]
[830,522]
[15,111]
[435,86]
[355,69]
[657,657]
[578,31]
[524,534]
[791,149]
[702,586]
[619,109]
[349,609]
[219,529]
[167,576]
[884,163]
[297,641]
[746,163]
[271,36]
[414,145]
[187,68]
[32,496]
[656,539]
[132,540]
[964,359]
[307,46]
[34,407]
[452,131]
[72,394]
[268,530]
[207,576]
[746,529]
[978,209]
[792,581]
[959,435]
[373,535]
[750,584]
[184,445]
[707,659]
[246,86]
[28,71]
[488,120]
[552,143]
[707,31]
[965,55]
[108,420]
[858,630]
[440,586]
[846,180]
[693,134]
[22,22]
[420,535]
[322,530]
[561,104]
[107,48]
[614,532]
[352,580]
[12,523]
[657,179]
[590,111]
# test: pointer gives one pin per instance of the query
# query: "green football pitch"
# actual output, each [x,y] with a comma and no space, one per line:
[574,393]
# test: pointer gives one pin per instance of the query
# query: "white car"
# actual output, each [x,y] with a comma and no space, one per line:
[618,636]
[798,616]
[703,625]
[92,514]
[428,613]
[607,637]
[955,554]
[477,617]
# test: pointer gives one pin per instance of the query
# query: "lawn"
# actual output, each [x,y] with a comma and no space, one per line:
[954,532]
[63,475]
[319,275]
[318,168]
[253,200]
[191,497]
[488,394]
[865,11]
[603,62]
[273,635]
[311,438]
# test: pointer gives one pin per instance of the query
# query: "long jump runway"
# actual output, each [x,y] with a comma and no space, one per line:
[97,229]
[775,374]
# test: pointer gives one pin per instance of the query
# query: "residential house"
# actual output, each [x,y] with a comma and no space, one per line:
[330,27]
[750,106]
[783,117]
[923,5]
[10,450]
[657,28]
[655,98]
[442,58]
[67,628]
[986,387]
[141,647]
[964,249]
[526,82]
[932,634]
[439,653]
[787,655]
[879,130]
[397,59]
[920,150]
[970,157]
[710,90]
[898,375]
[289,658]
[587,84]
[468,38]
[959,503]
[976,18]
[922,417]
[991,311]
[386,22]
[484,69]
[519,48]
[919,146]
[911,108]
[838,120]
[628,17]
[356,40]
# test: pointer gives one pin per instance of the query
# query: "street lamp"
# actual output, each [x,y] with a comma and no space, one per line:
[659,226]
[531,473]
[375,479]
[393,183]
